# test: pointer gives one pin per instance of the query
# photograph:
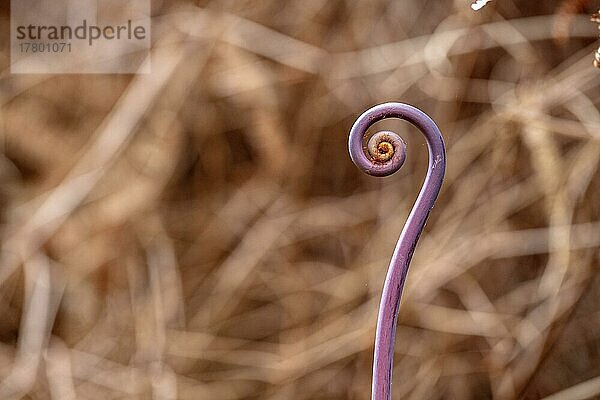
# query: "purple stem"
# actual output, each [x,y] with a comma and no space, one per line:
[384,161]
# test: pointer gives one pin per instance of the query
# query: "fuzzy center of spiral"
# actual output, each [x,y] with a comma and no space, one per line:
[381,147]
[385,151]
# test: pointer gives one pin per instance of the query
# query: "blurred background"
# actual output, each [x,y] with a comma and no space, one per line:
[200,232]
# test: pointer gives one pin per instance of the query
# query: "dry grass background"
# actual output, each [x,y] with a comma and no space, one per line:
[200,232]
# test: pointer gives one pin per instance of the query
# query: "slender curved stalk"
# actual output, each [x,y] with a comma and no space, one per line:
[386,154]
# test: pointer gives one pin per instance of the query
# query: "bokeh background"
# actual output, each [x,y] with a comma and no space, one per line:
[200,232]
